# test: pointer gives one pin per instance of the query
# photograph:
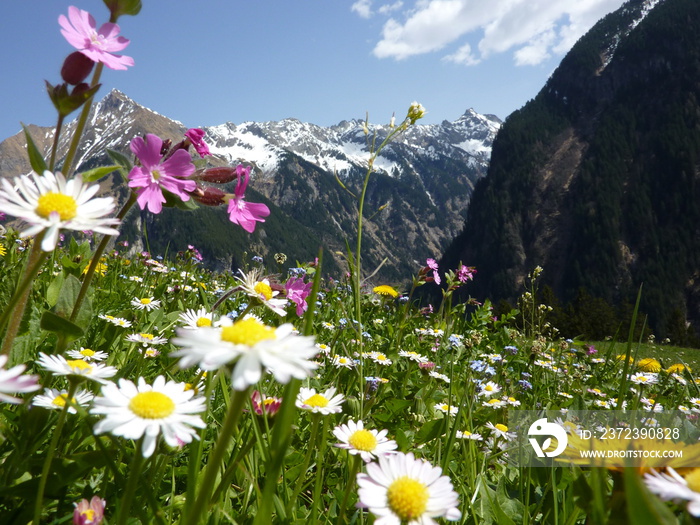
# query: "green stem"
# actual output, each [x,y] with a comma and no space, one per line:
[201,504]
[131,484]
[18,302]
[54,147]
[315,420]
[96,259]
[355,467]
[38,503]
[80,127]
[319,471]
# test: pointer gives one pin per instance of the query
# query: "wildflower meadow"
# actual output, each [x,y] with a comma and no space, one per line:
[143,388]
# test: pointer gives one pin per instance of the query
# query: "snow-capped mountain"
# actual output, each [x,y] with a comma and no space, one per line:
[422,184]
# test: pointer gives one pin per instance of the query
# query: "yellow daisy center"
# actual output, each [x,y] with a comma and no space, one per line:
[145,301]
[493,401]
[87,352]
[89,515]
[693,479]
[247,332]
[152,405]
[203,321]
[60,400]
[263,289]
[147,336]
[79,365]
[363,440]
[317,400]
[381,357]
[52,202]
[501,427]
[408,498]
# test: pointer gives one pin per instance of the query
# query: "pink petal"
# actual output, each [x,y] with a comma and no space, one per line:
[147,151]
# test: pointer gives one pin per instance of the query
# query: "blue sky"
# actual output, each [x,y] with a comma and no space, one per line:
[321,61]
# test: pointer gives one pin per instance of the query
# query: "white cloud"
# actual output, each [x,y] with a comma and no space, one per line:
[362,8]
[532,30]
[463,56]
[388,8]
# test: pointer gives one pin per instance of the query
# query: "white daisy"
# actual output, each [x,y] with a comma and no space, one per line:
[146,339]
[194,319]
[254,285]
[340,361]
[145,303]
[494,403]
[253,346]
[380,358]
[446,409]
[87,354]
[644,378]
[12,381]
[56,399]
[670,486]
[500,430]
[58,365]
[413,356]
[488,389]
[367,443]
[402,489]
[325,403]
[468,435]
[145,411]
[116,321]
[49,203]
[438,375]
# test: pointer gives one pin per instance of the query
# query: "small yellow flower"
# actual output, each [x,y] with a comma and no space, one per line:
[649,364]
[3,250]
[386,290]
[677,368]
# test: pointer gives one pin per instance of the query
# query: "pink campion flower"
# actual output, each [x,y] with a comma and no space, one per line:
[243,213]
[12,381]
[297,292]
[465,273]
[434,266]
[80,30]
[89,512]
[196,137]
[153,176]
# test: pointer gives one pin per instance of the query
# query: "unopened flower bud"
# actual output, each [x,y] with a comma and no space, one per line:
[209,196]
[415,112]
[219,175]
[76,68]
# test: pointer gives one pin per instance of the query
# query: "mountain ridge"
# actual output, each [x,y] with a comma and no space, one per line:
[422,184]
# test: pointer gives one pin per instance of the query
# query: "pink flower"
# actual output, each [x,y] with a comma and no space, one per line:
[98,45]
[465,273]
[89,512]
[246,214]
[265,405]
[196,137]
[434,266]
[12,381]
[153,177]
[297,292]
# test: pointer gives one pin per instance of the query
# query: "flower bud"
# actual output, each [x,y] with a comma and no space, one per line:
[415,112]
[76,68]
[209,196]
[218,175]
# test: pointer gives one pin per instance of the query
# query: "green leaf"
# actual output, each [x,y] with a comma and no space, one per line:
[36,159]
[96,174]
[643,507]
[52,322]
[429,431]
[54,290]
[66,300]
[122,161]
